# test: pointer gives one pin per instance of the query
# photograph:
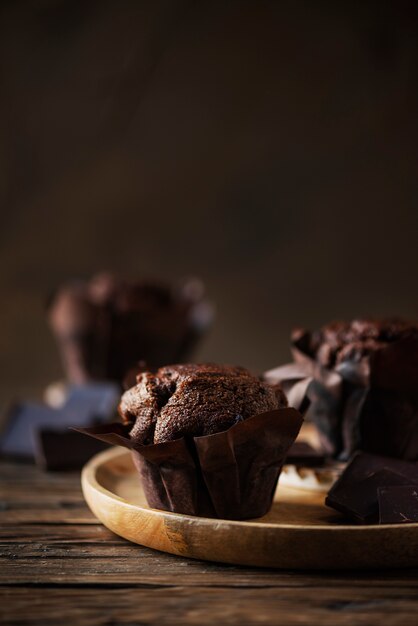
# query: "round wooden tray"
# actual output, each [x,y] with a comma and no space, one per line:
[298,533]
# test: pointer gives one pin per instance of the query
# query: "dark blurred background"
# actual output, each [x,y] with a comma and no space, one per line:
[268,147]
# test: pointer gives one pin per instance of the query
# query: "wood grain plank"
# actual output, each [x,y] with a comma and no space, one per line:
[51,533]
[29,495]
[26,473]
[61,513]
[151,567]
[35,505]
[94,556]
[55,560]
[204,606]
[18,491]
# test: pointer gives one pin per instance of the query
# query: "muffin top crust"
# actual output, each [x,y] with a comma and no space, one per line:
[339,342]
[195,400]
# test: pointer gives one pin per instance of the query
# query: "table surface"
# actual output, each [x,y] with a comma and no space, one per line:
[59,564]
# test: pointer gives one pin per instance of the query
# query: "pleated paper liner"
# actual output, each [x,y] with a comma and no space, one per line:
[230,475]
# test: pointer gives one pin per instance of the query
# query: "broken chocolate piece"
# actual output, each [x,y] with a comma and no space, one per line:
[303,454]
[355,492]
[27,426]
[98,399]
[65,449]
[398,505]
[21,422]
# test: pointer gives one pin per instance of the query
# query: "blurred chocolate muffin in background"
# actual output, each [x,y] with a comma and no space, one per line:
[106,325]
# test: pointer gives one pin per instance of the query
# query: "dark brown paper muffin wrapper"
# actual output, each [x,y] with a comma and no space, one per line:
[229,475]
[371,406]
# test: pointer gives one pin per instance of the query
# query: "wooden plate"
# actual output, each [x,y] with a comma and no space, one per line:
[298,533]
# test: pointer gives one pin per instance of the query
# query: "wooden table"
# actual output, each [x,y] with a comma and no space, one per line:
[58,565]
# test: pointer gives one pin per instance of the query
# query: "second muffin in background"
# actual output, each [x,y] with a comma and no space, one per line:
[361,380]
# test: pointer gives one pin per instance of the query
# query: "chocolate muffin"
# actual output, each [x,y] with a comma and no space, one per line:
[194,400]
[361,384]
[104,326]
[207,440]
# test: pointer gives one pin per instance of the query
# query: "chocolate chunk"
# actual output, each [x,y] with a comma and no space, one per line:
[65,449]
[22,422]
[98,399]
[28,426]
[355,492]
[302,453]
[398,505]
